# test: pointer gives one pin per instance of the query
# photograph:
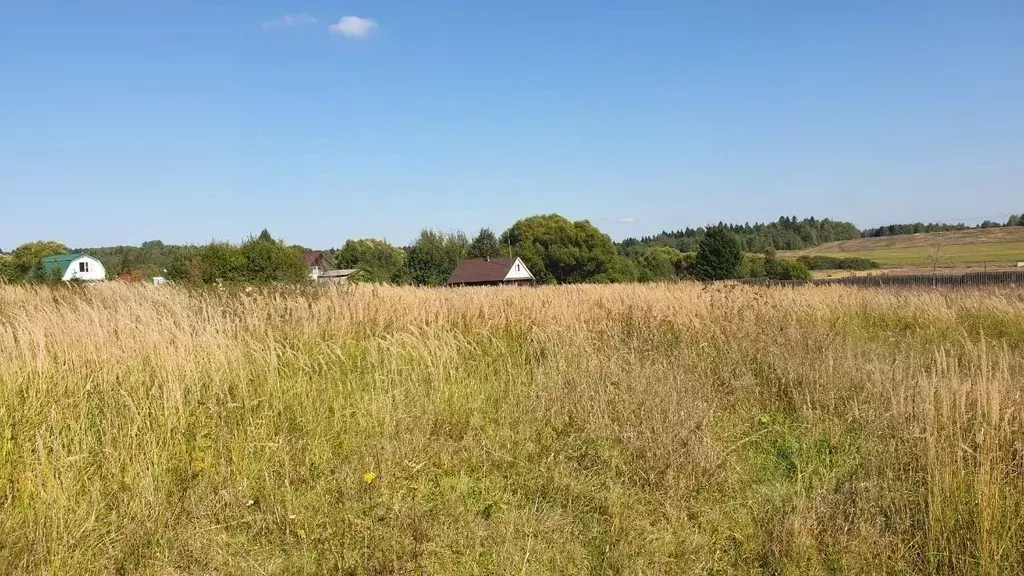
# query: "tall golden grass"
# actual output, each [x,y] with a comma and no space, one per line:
[655,429]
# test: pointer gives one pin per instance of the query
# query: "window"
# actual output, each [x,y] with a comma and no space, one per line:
[83,266]
[517,267]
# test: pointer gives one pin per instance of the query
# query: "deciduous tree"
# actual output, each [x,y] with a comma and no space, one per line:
[434,256]
[485,245]
[660,263]
[377,261]
[557,250]
[28,257]
[270,260]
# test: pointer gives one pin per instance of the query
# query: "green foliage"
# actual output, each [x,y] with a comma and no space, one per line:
[833,263]
[268,260]
[786,269]
[657,263]
[377,260]
[260,260]
[1015,220]
[186,266]
[152,258]
[787,233]
[557,250]
[689,263]
[27,258]
[718,256]
[920,227]
[660,263]
[485,245]
[8,269]
[434,256]
[221,261]
[752,266]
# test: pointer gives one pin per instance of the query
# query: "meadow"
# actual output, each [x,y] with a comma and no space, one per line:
[993,246]
[626,429]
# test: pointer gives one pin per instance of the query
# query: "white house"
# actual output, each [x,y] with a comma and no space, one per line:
[70,267]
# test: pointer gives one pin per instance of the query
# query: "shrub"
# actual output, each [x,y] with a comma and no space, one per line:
[786,269]
[377,261]
[659,263]
[834,263]
[8,269]
[687,263]
[268,260]
[752,266]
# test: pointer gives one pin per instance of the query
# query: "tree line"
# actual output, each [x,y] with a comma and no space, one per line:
[554,248]
[787,233]
[790,233]
[920,227]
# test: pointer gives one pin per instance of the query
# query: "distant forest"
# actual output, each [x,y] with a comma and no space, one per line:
[789,233]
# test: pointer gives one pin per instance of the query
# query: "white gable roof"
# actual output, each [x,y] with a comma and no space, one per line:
[518,271]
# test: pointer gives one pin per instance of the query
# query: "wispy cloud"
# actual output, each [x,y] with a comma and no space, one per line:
[353,27]
[627,219]
[290,21]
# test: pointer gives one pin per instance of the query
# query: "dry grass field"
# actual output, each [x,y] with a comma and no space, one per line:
[632,429]
[994,246]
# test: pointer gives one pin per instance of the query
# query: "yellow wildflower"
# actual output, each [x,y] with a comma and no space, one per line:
[369,477]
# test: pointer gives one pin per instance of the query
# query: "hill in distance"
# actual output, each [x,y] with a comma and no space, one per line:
[993,246]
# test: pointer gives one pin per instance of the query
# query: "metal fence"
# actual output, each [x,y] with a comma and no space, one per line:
[968,280]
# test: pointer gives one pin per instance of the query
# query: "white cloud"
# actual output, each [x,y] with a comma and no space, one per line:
[353,27]
[290,21]
[627,219]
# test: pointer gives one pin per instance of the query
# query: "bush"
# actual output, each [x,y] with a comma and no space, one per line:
[659,263]
[26,260]
[267,260]
[833,263]
[786,269]
[376,260]
[221,262]
[687,264]
[260,260]
[752,266]
[8,269]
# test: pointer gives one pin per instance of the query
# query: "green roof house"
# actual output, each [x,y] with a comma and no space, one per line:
[74,267]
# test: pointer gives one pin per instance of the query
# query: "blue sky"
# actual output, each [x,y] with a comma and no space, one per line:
[186,121]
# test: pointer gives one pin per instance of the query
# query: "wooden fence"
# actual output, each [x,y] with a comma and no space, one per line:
[968,280]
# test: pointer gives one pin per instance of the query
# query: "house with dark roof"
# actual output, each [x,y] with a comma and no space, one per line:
[490,272]
[321,269]
[318,263]
[70,267]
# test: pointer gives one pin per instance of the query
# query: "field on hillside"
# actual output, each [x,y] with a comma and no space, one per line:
[634,429]
[997,246]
